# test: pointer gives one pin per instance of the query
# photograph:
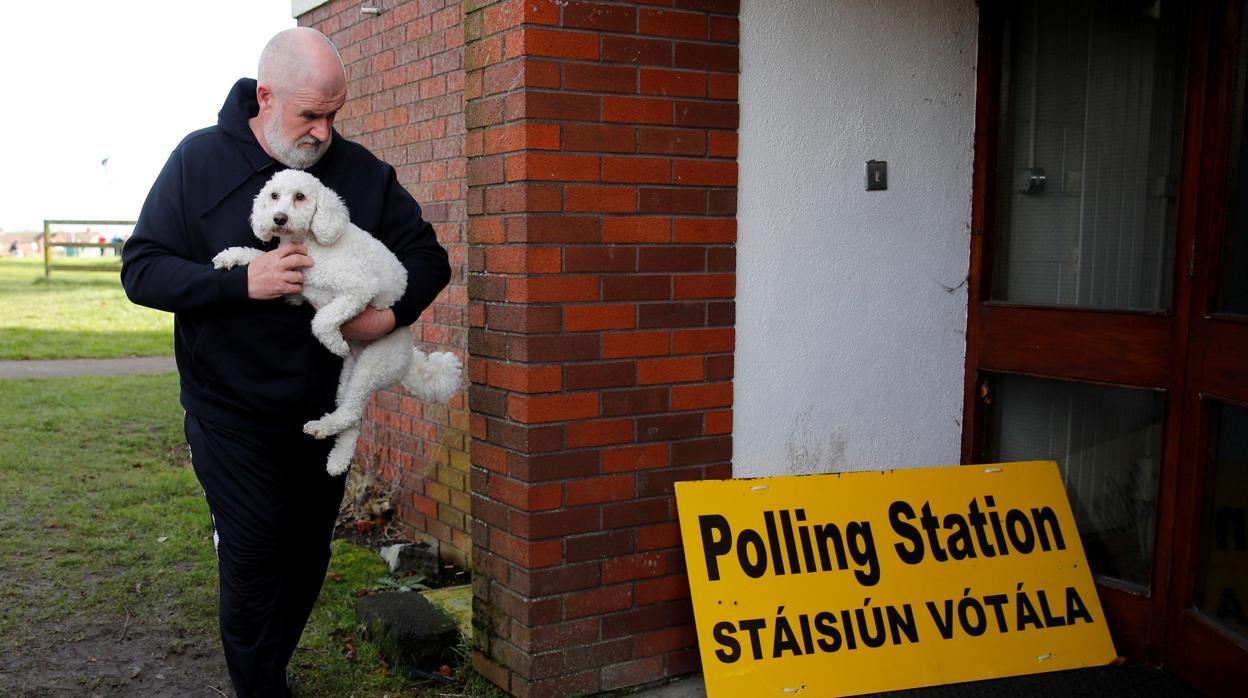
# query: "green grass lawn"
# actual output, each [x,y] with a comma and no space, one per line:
[74,314]
[104,523]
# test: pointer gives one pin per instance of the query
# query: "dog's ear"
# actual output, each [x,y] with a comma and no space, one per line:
[260,217]
[330,217]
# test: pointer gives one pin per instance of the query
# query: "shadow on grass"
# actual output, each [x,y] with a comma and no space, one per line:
[19,343]
[70,280]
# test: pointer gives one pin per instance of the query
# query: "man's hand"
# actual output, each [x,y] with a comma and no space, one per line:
[278,272]
[370,324]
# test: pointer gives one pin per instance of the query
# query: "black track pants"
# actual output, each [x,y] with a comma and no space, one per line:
[273,509]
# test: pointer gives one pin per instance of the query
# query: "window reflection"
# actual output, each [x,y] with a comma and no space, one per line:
[1107,442]
[1088,155]
[1223,590]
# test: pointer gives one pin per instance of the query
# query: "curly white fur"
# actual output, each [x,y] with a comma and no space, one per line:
[351,269]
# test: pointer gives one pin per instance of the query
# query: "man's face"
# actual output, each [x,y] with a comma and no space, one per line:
[299,125]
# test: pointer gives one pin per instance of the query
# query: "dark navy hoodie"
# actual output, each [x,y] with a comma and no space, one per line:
[247,363]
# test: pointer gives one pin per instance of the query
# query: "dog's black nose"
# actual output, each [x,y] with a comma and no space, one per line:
[279,218]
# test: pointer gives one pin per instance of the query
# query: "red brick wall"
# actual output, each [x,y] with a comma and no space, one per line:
[601,200]
[405,102]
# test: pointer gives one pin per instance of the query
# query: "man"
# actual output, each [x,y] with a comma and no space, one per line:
[251,371]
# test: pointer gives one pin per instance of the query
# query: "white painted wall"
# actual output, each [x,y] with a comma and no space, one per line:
[850,341]
[302,7]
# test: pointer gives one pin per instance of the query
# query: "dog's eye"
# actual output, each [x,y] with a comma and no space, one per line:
[274,196]
[299,196]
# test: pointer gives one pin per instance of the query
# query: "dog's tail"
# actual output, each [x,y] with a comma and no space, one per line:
[433,377]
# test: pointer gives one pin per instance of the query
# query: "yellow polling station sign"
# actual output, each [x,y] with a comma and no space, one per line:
[833,585]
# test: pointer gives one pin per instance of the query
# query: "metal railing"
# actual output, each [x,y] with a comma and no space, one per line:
[48,266]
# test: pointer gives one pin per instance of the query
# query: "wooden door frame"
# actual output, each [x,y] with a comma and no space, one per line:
[1134,350]
[1219,667]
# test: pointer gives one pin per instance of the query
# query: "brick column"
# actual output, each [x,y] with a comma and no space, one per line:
[602,179]
[405,102]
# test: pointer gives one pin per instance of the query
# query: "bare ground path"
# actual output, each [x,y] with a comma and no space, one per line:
[86,367]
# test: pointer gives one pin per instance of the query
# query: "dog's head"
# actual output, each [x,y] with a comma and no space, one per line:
[295,204]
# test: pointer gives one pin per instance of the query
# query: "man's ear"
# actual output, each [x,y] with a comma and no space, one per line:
[264,96]
[330,217]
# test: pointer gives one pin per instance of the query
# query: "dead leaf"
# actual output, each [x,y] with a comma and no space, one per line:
[334,576]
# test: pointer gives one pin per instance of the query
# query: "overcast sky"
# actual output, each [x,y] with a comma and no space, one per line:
[85,80]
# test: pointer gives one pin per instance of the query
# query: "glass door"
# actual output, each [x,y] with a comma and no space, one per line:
[1076,320]
[1108,318]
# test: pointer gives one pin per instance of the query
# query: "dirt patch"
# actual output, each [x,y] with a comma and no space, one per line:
[115,658]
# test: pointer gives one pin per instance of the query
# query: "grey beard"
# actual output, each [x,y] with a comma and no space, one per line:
[288,152]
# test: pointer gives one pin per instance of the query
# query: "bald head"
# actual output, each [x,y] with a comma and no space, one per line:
[301,59]
[300,86]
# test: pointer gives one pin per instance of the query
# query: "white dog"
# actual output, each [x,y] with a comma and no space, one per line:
[351,270]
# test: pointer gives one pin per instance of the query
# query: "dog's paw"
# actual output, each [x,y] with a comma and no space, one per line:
[232,257]
[223,260]
[340,455]
[317,429]
[335,343]
[331,424]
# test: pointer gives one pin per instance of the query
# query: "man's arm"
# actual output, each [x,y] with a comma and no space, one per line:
[413,241]
[370,324]
[428,272]
[156,262]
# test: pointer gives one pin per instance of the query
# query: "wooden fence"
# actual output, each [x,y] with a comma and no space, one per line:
[49,266]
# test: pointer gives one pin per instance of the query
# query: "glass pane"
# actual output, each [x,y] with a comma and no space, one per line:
[1222,592]
[1087,163]
[1107,442]
[1233,283]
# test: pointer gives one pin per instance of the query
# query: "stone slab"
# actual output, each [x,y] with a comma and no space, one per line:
[409,630]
